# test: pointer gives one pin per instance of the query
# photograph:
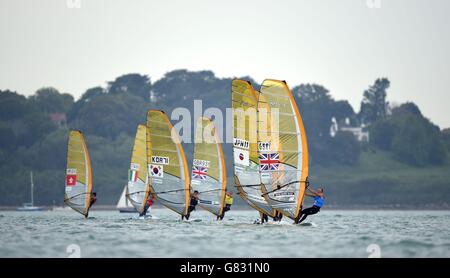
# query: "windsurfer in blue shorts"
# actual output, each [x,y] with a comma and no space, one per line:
[318,203]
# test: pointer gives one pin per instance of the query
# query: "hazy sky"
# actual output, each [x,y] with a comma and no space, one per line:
[344,45]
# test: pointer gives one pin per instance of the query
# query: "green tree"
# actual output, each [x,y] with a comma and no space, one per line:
[12,105]
[446,138]
[7,137]
[381,133]
[317,108]
[418,142]
[89,95]
[349,149]
[411,138]
[49,100]
[133,83]
[374,105]
[108,115]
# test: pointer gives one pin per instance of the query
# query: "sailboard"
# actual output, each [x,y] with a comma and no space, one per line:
[245,150]
[78,187]
[208,167]
[167,167]
[284,156]
[137,186]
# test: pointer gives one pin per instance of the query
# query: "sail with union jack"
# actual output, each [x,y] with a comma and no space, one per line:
[199,172]
[269,161]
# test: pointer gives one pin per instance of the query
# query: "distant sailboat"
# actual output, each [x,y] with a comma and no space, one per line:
[30,206]
[78,188]
[124,205]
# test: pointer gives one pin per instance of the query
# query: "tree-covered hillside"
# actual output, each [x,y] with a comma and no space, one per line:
[405,161]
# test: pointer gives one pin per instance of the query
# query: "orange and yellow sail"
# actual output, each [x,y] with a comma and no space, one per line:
[78,187]
[209,176]
[168,177]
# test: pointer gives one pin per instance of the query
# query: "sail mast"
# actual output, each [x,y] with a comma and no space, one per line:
[32,188]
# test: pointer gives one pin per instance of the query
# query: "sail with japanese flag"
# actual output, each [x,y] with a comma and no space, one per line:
[137,186]
[208,167]
[283,149]
[78,186]
[168,175]
[245,148]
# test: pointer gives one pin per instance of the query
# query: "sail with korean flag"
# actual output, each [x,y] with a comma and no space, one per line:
[282,148]
[208,167]
[168,176]
[137,188]
[245,149]
[78,187]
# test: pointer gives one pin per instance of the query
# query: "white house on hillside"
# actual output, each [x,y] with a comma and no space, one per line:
[359,132]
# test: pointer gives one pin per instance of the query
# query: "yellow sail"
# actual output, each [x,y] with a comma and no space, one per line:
[138,190]
[208,167]
[284,160]
[78,186]
[245,147]
[168,176]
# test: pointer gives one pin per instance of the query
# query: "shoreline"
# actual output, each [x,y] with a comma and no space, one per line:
[444,207]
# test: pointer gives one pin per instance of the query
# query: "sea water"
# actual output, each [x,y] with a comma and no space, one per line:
[330,233]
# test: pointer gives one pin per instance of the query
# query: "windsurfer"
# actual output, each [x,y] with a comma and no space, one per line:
[93,199]
[264,218]
[228,203]
[148,204]
[192,204]
[318,203]
[278,216]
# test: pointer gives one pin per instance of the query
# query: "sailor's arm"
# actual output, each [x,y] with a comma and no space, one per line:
[312,193]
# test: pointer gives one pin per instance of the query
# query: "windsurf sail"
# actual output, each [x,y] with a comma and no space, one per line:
[246,163]
[167,167]
[208,167]
[283,157]
[78,187]
[137,186]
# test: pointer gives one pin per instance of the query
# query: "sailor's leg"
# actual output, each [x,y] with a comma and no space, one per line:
[308,211]
[303,218]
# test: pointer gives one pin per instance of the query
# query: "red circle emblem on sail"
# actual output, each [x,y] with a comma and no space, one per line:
[241,156]
[155,170]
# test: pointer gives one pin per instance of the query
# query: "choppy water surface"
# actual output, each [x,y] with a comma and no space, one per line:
[328,234]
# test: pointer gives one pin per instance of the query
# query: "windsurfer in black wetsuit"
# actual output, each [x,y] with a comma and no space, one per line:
[93,199]
[278,216]
[264,217]
[192,204]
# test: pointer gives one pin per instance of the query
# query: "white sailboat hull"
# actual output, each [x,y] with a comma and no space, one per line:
[127,210]
[33,208]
